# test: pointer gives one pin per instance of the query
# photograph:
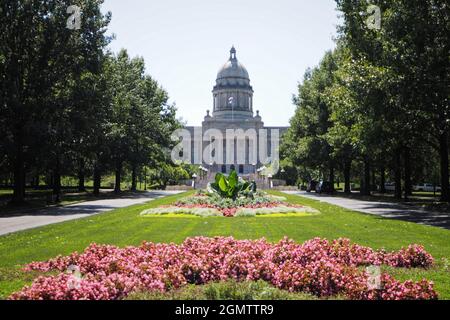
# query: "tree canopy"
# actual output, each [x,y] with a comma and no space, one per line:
[380,100]
[69,106]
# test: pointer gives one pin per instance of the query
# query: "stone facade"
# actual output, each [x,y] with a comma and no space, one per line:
[233,115]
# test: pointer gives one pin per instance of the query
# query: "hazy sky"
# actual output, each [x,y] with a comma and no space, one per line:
[185,43]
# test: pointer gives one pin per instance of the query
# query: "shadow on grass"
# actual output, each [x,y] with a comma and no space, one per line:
[79,203]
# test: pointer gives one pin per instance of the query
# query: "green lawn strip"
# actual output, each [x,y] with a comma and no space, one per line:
[225,290]
[125,226]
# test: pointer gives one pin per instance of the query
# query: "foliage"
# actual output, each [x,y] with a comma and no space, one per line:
[69,107]
[248,210]
[231,186]
[43,67]
[141,121]
[317,266]
[206,204]
[259,198]
[376,107]
[123,228]
[168,174]
[404,88]
[305,142]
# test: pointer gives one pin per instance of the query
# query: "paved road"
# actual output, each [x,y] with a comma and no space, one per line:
[47,216]
[385,209]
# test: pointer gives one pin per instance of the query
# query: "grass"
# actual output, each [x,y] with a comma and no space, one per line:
[227,290]
[6,192]
[125,227]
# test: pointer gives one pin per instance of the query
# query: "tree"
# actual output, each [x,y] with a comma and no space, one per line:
[414,45]
[39,56]
[141,122]
[311,122]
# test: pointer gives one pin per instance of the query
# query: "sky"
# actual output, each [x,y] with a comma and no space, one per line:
[186,42]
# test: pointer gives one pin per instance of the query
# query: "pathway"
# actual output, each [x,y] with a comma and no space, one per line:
[52,215]
[385,209]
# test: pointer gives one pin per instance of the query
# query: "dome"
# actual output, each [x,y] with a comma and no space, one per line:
[233,69]
[233,94]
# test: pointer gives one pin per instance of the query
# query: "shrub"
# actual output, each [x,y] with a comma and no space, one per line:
[317,267]
[215,205]
[231,186]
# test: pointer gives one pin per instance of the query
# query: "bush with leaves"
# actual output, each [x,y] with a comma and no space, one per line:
[231,186]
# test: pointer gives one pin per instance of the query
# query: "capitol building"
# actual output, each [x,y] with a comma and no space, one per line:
[233,136]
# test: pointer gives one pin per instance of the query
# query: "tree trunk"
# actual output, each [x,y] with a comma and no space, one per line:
[133,178]
[347,171]
[37,181]
[366,178]
[57,180]
[374,181]
[19,173]
[81,175]
[361,183]
[332,177]
[398,175]
[97,181]
[408,184]
[443,154]
[382,180]
[118,177]
[145,178]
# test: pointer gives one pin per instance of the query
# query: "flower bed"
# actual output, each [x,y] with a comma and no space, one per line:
[212,205]
[318,267]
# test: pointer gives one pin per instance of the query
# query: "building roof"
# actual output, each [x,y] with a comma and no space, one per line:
[233,69]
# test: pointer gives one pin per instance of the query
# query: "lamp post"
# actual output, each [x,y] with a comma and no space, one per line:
[194,177]
[254,171]
[210,170]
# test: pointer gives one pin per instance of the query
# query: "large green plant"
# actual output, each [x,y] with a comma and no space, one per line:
[231,186]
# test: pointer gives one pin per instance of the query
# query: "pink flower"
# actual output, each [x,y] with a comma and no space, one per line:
[317,266]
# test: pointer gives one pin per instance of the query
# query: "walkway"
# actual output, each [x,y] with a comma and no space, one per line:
[385,209]
[52,215]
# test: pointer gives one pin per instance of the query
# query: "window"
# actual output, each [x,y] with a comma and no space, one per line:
[232,167]
[224,168]
[241,168]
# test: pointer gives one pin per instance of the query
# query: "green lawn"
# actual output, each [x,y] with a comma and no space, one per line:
[125,227]
[6,191]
